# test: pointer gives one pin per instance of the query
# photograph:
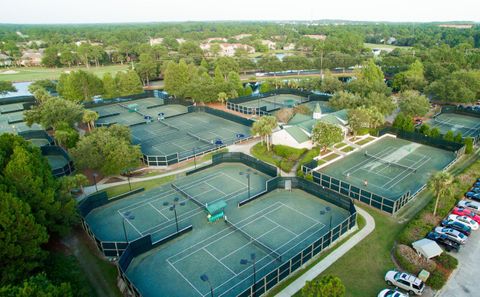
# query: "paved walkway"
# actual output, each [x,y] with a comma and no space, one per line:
[321,266]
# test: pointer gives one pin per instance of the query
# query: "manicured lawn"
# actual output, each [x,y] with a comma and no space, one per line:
[363,268]
[148,184]
[330,157]
[360,223]
[347,149]
[339,145]
[364,141]
[36,73]
[374,45]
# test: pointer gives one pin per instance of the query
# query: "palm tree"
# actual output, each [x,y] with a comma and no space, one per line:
[222,97]
[264,127]
[89,118]
[440,184]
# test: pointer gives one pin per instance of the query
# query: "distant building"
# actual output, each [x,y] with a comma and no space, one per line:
[390,40]
[5,60]
[241,36]
[228,49]
[289,47]
[155,41]
[208,40]
[316,36]
[31,58]
[269,44]
[456,26]
[180,40]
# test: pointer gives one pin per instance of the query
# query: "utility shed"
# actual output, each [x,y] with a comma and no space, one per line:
[427,248]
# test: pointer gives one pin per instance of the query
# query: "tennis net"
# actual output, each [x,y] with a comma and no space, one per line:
[199,138]
[275,102]
[134,110]
[189,196]
[168,125]
[261,245]
[390,162]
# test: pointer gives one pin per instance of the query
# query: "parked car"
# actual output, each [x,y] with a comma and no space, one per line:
[477,184]
[466,212]
[473,196]
[442,239]
[465,220]
[452,234]
[391,293]
[472,205]
[457,226]
[405,281]
[475,189]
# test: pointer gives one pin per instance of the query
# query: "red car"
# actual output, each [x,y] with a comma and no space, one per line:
[466,212]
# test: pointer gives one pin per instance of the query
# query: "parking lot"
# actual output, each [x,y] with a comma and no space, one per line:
[464,281]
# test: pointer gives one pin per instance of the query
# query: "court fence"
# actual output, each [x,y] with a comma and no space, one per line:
[236,103]
[159,160]
[37,134]
[272,278]
[460,109]
[389,205]
[53,150]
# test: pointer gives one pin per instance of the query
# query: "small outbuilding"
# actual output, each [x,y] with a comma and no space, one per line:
[427,248]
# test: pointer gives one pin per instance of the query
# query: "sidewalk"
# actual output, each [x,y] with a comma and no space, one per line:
[321,266]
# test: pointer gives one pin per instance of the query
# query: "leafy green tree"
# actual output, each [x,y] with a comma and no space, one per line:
[370,78]
[330,84]
[66,136]
[411,79]
[264,128]
[440,183]
[67,58]
[42,95]
[248,90]
[377,119]
[177,77]
[222,97]
[358,120]
[326,135]
[382,102]
[20,240]
[458,137]
[265,87]
[53,112]
[435,132]
[460,86]
[425,129]
[227,65]
[27,175]
[412,103]
[84,52]
[128,83]
[6,86]
[344,100]
[109,86]
[89,117]
[146,68]
[449,136]
[38,286]
[107,150]
[327,286]
[50,57]
[468,145]
[79,86]
[403,122]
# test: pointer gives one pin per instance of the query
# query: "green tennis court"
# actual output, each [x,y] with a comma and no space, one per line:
[39,142]
[467,125]
[184,133]
[275,102]
[390,166]
[11,107]
[56,161]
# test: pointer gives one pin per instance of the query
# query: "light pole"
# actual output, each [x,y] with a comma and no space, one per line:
[173,207]
[126,216]
[95,181]
[247,174]
[195,156]
[253,262]
[204,278]
[328,210]
[127,173]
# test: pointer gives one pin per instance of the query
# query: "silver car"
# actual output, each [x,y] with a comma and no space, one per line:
[452,234]
[472,205]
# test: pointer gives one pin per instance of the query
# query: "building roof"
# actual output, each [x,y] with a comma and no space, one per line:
[428,248]
[297,133]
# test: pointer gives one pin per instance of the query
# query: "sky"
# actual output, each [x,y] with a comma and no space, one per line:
[109,11]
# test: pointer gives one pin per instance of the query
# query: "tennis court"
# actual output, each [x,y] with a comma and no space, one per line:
[275,102]
[56,161]
[11,107]
[222,182]
[467,125]
[274,228]
[390,167]
[182,134]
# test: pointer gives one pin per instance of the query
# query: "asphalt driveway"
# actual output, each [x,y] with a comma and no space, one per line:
[465,280]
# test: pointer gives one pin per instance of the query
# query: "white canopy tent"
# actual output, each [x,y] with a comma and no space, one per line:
[427,248]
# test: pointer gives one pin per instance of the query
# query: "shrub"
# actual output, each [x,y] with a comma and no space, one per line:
[468,145]
[437,280]
[309,177]
[447,261]
[408,258]
[288,152]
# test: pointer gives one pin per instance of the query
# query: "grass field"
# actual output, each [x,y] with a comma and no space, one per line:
[36,73]
[389,46]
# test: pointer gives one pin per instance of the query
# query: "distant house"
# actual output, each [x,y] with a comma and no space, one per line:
[316,36]
[289,47]
[180,40]
[298,131]
[228,49]
[31,58]
[5,60]
[208,40]
[269,44]
[155,41]
[456,26]
[241,36]
[390,40]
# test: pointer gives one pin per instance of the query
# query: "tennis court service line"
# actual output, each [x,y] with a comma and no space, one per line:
[385,152]
[421,162]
